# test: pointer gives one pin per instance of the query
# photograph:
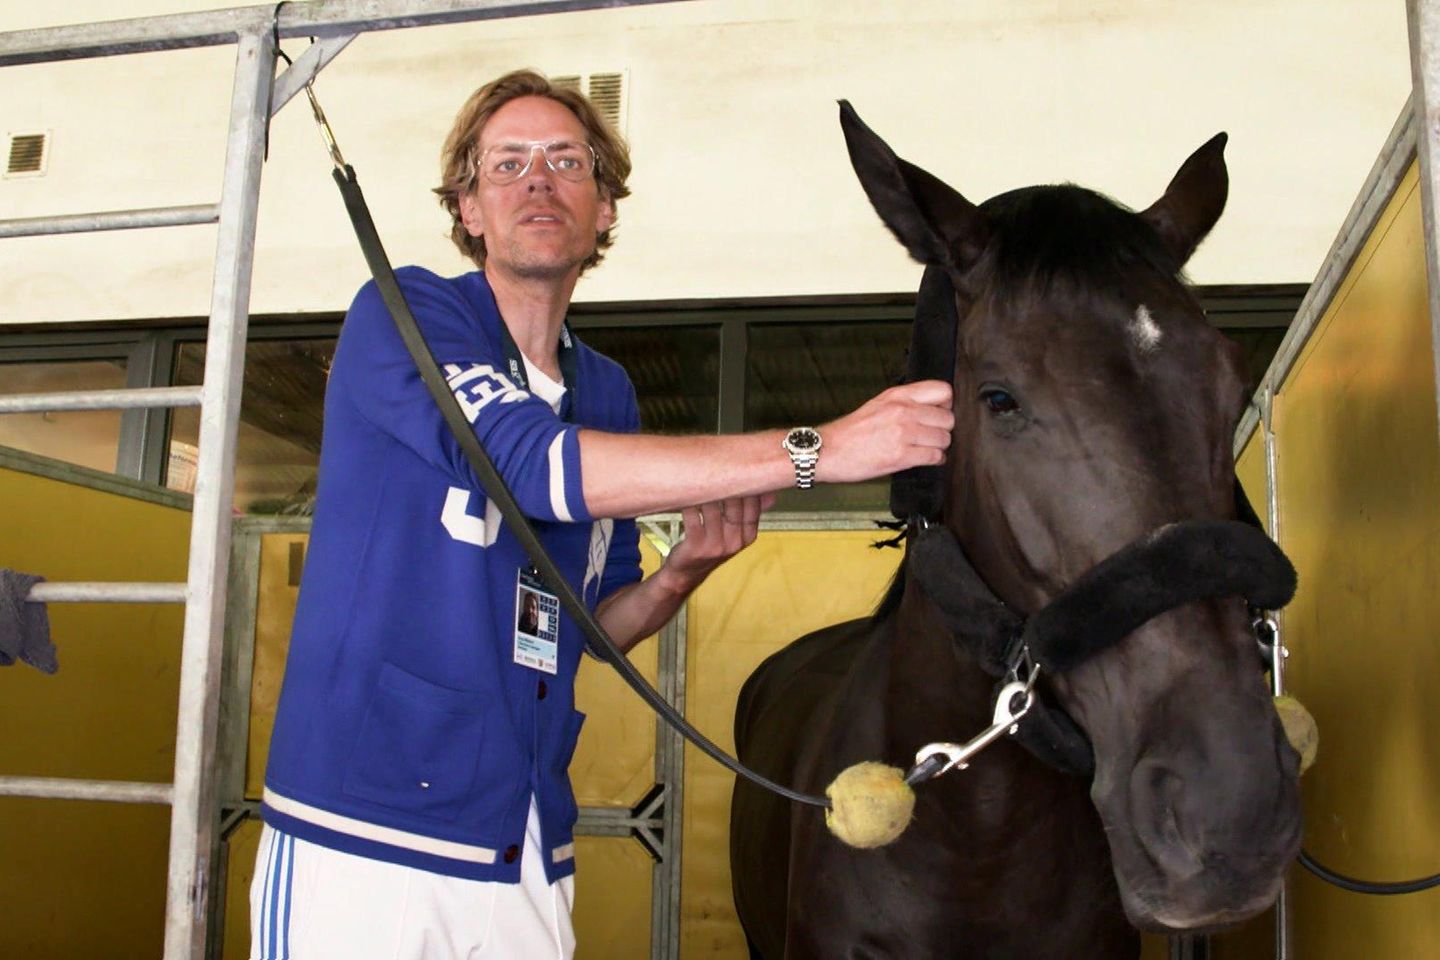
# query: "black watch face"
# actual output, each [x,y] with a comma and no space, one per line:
[804,440]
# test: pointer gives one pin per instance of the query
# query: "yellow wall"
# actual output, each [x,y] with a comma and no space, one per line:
[84,879]
[786,585]
[1358,472]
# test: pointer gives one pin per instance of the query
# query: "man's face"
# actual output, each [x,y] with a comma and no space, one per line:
[540,226]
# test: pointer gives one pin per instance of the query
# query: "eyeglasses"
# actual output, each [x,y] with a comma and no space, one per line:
[503,163]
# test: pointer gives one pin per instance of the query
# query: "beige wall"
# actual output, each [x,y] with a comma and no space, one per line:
[741,184]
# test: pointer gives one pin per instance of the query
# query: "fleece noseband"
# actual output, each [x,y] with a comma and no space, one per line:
[1178,564]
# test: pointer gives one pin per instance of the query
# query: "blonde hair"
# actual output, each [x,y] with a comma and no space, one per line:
[457,159]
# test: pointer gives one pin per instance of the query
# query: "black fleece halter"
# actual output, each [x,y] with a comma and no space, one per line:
[1178,564]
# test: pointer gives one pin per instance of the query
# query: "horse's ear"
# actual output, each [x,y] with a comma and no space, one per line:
[1193,201]
[937,225]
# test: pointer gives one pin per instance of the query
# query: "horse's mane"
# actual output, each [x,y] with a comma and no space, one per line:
[891,601]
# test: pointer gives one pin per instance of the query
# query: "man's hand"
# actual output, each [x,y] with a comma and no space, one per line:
[906,426]
[714,532]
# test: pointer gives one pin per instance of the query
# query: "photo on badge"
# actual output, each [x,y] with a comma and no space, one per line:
[537,623]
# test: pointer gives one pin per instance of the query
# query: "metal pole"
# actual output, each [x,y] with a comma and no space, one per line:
[124,399]
[108,593]
[1277,668]
[670,770]
[113,220]
[1424,19]
[313,18]
[194,814]
[65,788]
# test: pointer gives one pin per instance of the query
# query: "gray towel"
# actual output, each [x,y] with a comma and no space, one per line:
[24,626]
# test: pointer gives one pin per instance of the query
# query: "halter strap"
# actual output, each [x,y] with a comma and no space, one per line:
[1178,564]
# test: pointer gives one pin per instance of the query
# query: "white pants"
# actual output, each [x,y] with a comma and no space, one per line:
[309,902]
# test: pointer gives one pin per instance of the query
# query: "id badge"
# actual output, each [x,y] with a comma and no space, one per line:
[537,623]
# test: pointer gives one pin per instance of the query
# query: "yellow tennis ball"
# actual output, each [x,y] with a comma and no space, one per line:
[1300,729]
[871,805]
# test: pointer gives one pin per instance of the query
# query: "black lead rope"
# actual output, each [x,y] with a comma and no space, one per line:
[504,500]
[1373,888]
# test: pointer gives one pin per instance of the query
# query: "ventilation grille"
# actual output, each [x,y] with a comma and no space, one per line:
[27,154]
[605,90]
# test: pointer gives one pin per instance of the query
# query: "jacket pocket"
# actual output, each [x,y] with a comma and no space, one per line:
[419,746]
[565,805]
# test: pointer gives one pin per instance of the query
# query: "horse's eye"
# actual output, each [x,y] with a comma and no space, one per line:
[999,402]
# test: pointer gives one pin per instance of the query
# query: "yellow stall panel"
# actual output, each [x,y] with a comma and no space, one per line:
[1358,484]
[612,899]
[614,762]
[784,586]
[86,879]
[239,871]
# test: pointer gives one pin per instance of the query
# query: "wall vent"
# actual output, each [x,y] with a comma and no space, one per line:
[27,154]
[605,90]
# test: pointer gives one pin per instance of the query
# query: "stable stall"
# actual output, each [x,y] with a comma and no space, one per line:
[1341,456]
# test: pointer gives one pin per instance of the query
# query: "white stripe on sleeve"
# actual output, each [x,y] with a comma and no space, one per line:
[557,479]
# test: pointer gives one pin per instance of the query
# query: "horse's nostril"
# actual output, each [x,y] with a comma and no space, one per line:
[1157,807]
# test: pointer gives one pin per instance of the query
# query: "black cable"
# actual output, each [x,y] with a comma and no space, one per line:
[496,490]
[1367,886]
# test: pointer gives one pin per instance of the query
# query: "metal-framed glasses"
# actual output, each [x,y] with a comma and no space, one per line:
[503,163]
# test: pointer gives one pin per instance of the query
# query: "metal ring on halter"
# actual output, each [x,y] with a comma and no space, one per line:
[935,759]
[1267,638]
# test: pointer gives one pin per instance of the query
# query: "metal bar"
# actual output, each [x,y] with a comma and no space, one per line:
[111,220]
[137,424]
[1249,420]
[155,456]
[61,788]
[194,815]
[317,18]
[670,771]
[126,399]
[293,80]
[612,822]
[82,592]
[240,621]
[1424,19]
[1266,425]
[734,350]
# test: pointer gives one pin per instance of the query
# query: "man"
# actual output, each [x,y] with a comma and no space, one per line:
[416,801]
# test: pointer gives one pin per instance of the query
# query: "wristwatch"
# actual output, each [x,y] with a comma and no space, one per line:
[803,445]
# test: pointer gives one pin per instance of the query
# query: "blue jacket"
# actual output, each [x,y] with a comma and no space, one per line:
[405,731]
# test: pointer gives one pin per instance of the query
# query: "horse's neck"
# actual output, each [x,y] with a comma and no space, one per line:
[936,690]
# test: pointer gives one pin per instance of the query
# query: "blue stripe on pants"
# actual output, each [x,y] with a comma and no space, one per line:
[289,884]
[273,908]
[258,947]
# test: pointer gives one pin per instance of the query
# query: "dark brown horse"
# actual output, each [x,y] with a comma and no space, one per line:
[1094,405]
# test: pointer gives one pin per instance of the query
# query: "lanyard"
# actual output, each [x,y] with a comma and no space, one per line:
[515,361]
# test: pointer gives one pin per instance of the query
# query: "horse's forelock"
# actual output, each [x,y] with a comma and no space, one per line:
[1044,236]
